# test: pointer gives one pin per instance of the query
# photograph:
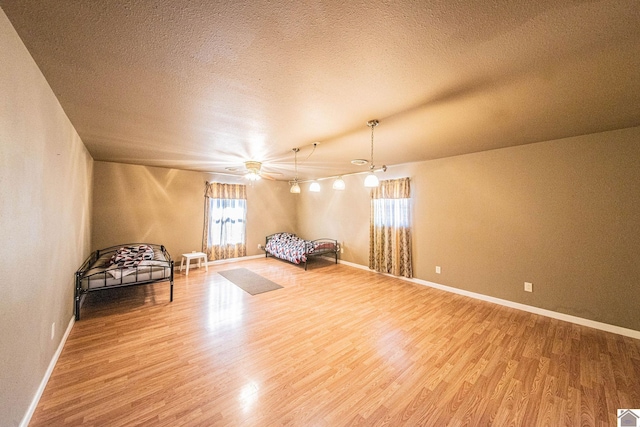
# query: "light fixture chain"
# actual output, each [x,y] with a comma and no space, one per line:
[371,165]
[295,159]
[372,124]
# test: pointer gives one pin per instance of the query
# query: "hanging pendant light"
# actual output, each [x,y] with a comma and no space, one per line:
[315,187]
[295,187]
[338,184]
[371,180]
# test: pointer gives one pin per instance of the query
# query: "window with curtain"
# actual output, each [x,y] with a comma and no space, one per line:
[225,218]
[390,229]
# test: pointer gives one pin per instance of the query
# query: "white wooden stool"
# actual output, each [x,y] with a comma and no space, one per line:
[200,256]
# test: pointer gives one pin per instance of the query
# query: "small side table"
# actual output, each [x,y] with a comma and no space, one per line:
[200,256]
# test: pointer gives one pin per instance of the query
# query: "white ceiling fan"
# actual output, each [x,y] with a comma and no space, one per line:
[274,168]
[253,171]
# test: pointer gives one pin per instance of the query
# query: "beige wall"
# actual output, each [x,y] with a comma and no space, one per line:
[45,212]
[562,214]
[158,205]
[341,215]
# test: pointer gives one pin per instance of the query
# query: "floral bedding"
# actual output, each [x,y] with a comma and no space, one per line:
[289,247]
[128,259]
[131,256]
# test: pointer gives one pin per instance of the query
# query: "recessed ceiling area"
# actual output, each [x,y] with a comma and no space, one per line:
[207,86]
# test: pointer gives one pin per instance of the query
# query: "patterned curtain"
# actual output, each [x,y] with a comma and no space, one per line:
[225,213]
[390,229]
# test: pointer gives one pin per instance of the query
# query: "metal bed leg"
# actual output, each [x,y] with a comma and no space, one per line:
[171,293]
[77,297]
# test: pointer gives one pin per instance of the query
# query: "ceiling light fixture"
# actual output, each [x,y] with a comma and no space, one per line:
[338,184]
[295,187]
[253,170]
[371,180]
[315,187]
[252,176]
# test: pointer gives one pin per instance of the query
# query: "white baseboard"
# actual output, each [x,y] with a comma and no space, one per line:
[52,364]
[225,261]
[528,308]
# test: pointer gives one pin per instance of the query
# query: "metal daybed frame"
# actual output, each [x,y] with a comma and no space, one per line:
[94,275]
[317,252]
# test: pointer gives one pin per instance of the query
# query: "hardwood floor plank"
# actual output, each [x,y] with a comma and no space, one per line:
[336,346]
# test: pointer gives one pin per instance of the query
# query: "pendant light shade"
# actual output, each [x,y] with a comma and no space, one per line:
[338,184]
[295,188]
[371,181]
[315,187]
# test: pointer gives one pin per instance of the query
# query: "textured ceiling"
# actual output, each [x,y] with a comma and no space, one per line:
[204,85]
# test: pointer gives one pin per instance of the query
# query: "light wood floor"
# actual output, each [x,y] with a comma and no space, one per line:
[337,346]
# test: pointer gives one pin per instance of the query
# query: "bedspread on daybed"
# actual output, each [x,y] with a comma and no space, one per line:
[292,248]
[123,265]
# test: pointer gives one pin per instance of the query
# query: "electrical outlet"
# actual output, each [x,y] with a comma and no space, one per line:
[528,287]
[438,271]
[53,329]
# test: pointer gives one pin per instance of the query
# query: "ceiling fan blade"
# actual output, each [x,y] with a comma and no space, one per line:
[237,175]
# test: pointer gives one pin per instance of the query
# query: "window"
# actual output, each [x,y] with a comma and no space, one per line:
[225,221]
[391,212]
[228,219]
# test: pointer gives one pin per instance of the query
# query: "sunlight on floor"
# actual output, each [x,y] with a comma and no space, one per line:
[248,395]
[225,307]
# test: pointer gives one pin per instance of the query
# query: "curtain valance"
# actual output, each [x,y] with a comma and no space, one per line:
[392,189]
[215,190]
